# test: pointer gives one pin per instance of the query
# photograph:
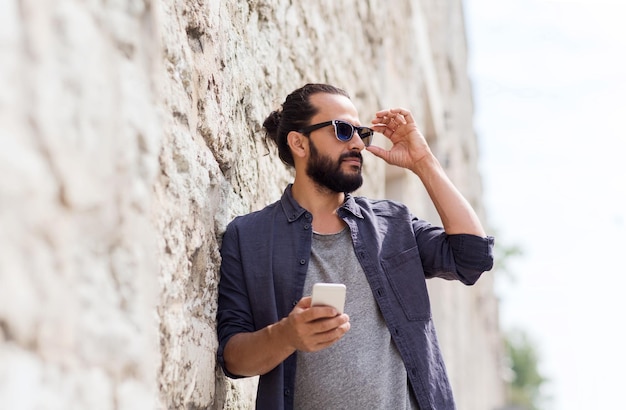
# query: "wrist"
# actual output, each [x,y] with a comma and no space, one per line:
[281,336]
[426,164]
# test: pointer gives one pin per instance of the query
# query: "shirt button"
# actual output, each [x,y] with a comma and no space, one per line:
[295,302]
[307,226]
[302,261]
[287,392]
[307,216]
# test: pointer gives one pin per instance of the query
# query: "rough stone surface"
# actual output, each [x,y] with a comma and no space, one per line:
[130,135]
[80,138]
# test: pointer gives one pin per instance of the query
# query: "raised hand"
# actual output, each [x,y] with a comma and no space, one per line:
[409,145]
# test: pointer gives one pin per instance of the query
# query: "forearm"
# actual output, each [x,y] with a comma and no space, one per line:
[455,212]
[256,353]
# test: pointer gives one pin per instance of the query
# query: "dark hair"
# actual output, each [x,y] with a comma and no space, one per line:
[295,114]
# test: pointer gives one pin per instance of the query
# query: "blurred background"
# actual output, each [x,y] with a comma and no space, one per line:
[549,81]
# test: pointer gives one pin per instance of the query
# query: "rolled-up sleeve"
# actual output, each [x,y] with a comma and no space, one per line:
[462,257]
[473,255]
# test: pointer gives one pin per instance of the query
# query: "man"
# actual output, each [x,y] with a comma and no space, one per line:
[385,355]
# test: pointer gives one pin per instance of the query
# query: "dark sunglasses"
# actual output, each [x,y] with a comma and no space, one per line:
[344,131]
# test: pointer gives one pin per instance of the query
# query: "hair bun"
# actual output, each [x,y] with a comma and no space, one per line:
[272,123]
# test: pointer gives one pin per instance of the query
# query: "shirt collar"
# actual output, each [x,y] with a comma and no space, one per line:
[351,206]
[293,210]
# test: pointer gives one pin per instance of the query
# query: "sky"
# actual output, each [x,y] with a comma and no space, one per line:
[549,83]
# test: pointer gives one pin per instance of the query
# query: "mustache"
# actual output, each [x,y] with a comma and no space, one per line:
[351,154]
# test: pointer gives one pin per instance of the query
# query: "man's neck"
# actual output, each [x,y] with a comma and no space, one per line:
[321,202]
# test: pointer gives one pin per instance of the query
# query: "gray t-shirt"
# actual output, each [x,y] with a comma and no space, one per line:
[364,369]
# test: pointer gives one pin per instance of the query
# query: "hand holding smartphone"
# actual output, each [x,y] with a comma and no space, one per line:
[329,294]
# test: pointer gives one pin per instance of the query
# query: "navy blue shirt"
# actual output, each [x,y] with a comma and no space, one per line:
[265,257]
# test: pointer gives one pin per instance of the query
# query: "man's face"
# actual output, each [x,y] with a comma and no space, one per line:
[328,173]
[334,164]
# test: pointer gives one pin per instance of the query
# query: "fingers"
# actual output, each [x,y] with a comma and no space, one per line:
[379,152]
[327,331]
[315,328]
[390,121]
[304,303]
[309,315]
[322,327]
[393,116]
[326,339]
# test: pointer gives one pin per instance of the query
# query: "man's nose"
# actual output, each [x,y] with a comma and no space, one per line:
[356,143]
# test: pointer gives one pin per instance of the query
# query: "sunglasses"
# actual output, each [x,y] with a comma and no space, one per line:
[344,131]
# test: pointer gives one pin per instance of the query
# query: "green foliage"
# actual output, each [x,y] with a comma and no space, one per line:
[503,253]
[525,380]
[526,383]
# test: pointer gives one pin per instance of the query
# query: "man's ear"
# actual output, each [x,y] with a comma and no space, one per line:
[298,143]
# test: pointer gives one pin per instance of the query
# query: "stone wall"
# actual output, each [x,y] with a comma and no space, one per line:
[79,142]
[130,135]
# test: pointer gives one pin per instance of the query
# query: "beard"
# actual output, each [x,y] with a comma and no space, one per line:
[328,174]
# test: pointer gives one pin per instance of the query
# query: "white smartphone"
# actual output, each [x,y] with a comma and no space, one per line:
[329,294]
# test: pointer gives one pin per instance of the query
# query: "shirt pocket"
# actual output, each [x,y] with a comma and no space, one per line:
[406,277]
